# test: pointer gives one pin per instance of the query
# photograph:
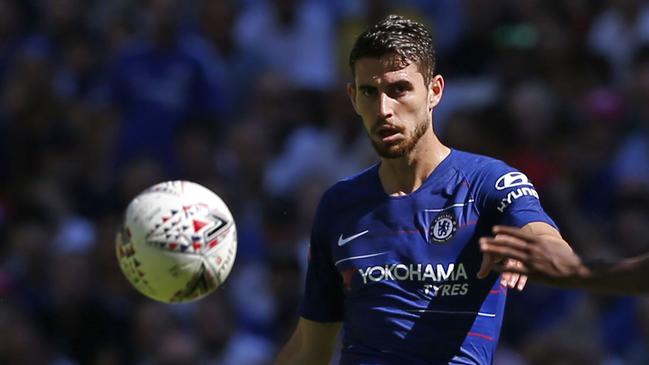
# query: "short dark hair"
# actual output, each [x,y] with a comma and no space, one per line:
[409,40]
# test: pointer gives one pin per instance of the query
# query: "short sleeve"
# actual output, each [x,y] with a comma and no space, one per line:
[509,197]
[323,299]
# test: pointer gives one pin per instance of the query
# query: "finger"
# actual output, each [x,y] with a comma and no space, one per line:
[488,261]
[513,231]
[504,246]
[522,279]
[504,278]
[513,280]
[514,276]
[513,241]
[521,283]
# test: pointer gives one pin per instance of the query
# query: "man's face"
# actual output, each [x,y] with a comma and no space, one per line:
[394,102]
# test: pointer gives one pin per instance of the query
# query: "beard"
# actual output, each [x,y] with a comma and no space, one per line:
[402,148]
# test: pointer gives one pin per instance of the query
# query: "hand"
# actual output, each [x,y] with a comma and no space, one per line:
[512,277]
[542,257]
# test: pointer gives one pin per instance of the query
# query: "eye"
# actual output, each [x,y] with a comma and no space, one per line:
[367,90]
[399,89]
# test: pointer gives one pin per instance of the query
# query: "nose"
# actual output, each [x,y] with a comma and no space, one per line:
[385,106]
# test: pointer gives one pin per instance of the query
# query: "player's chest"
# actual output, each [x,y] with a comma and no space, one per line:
[409,230]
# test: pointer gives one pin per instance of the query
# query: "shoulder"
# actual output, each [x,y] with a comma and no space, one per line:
[352,190]
[478,167]
[491,178]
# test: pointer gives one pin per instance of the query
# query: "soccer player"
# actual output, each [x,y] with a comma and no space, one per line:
[542,259]
[394,252]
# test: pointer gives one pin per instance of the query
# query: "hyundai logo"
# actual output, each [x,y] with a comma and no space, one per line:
[512,179]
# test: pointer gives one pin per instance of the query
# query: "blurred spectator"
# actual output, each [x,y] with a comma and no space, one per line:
[160,80]
[617,31]
[294,37]
[332,146]
[533,110]
[10,34]
[238,67]
[631,165]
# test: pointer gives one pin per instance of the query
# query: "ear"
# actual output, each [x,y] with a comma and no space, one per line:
[435,91]
[351,92]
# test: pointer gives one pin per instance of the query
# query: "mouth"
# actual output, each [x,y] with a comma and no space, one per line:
[388,133]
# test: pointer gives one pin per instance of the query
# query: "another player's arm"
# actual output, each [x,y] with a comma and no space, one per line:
[558,265]
[311,343]
[626,277]
[561,267]
[515,274]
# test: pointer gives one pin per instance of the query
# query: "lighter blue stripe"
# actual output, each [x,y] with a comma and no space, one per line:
[361,257]
[449,207]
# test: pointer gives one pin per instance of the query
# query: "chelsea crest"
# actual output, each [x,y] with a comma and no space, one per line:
[443,228]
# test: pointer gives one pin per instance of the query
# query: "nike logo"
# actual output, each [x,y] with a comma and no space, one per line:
[343,241]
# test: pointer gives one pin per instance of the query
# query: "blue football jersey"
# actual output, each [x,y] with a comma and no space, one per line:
[400,271]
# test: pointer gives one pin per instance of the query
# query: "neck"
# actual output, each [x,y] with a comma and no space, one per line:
[404,175]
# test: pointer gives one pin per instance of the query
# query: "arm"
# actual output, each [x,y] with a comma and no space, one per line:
[555,264]
[516,275]
[311,343]
[509,198]
[625,277]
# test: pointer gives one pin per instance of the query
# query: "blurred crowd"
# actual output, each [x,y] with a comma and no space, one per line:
[100,99]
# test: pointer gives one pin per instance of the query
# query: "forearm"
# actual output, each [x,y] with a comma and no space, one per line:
[311,343]
[294,355]
[289,354]
[626,277]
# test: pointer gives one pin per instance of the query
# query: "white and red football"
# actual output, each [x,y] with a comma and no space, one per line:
[178,242]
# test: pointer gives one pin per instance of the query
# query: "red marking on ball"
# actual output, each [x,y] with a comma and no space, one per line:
[198,225]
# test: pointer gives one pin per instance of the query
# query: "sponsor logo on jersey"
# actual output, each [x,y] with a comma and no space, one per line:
[511,180]
[342,241]
[515,194]
[443,228]
[446,290]
[438,279]
[439,272]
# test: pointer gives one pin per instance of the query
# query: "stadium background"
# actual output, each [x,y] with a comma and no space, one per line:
[99,99]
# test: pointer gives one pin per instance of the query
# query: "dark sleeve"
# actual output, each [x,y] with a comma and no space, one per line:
[323,292]
[508,196]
